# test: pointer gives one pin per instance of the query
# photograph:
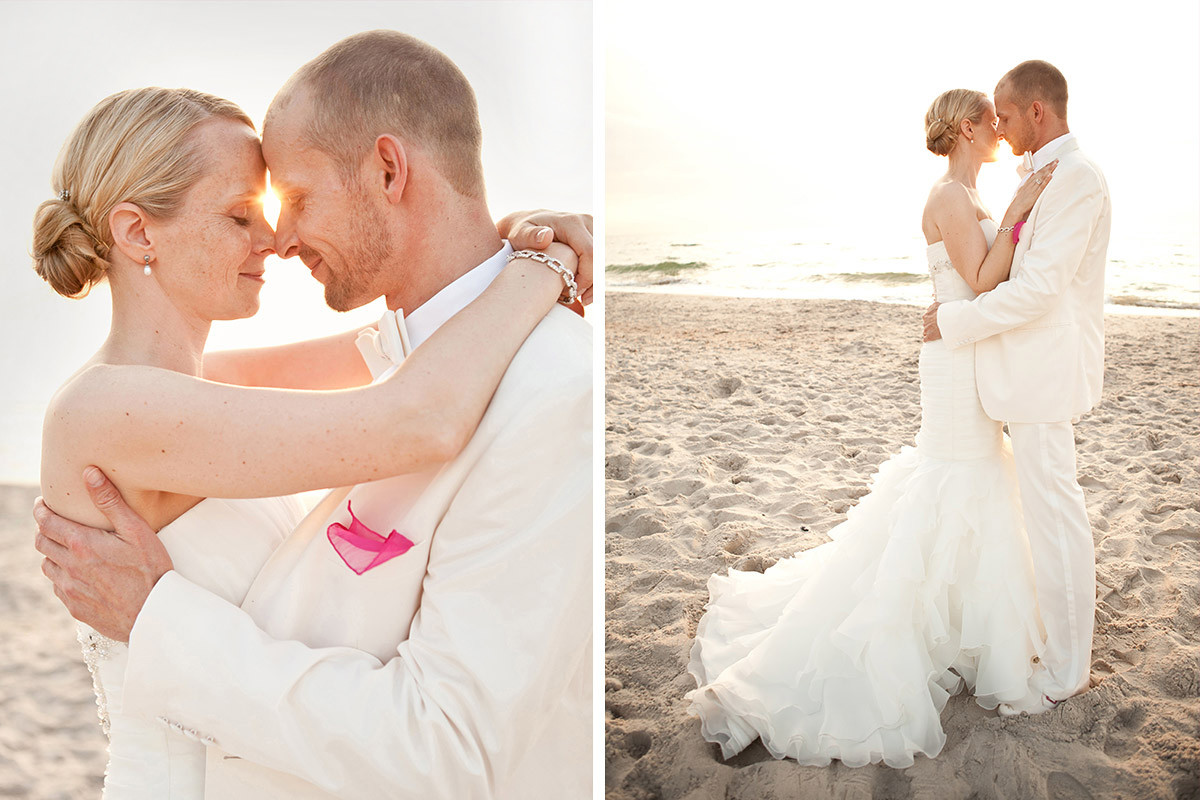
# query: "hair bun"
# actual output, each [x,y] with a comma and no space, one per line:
[940,137]
[66,254]
[945,116]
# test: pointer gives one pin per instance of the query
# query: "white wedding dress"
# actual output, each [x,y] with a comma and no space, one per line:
[220,545]
[851,649]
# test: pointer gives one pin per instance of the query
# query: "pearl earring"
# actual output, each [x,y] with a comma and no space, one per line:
[146,269]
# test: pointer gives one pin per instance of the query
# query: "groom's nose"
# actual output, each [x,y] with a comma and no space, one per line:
[287,242]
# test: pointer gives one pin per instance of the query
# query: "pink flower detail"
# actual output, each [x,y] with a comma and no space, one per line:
[362,548]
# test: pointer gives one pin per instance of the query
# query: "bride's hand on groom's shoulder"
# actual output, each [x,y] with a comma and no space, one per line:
[1028,193]
[534,230]
[102,577]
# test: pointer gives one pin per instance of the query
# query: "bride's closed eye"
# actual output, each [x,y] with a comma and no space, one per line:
[241,215]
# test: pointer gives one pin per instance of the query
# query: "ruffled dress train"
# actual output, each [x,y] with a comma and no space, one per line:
[851,649]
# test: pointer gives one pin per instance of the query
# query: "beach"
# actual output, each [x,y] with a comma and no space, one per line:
[740,431]
[51,747]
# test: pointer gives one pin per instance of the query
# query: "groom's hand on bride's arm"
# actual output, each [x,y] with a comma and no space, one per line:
[931,333]
[102,577]
[533,230]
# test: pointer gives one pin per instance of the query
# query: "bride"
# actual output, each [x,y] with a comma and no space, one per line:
[851,649]
[159,193]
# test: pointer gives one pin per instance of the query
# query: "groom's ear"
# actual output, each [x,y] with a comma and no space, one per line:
[391,162]
[1039,111]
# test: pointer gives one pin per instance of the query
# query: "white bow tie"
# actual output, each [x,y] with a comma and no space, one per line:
[386,348]
[1025,168]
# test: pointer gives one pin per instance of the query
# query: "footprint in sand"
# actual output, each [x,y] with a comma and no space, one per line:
[618,467]
[1062,786]
[637,743]
[684,487]
[892,784]
[737,545]
[1180,676]
[755,564]
[1114,600]
[1121,740]
[644,525]
[1175,536]
[731,461]
[726,386]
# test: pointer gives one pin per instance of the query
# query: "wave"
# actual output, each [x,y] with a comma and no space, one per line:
[886,278]
[664,267]
[1149,302]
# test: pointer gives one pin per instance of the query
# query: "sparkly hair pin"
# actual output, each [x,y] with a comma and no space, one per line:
[64,195]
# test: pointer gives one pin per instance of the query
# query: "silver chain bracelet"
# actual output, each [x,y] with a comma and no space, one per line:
[570,288]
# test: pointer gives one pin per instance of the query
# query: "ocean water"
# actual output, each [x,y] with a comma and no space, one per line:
[1144,276]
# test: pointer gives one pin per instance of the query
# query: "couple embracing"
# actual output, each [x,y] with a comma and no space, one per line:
[425,630]
[971,562]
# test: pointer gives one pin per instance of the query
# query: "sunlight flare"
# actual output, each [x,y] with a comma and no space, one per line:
[270,203]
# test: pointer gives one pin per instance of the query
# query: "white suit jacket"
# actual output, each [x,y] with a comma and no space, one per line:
[1039,336]
[460,669]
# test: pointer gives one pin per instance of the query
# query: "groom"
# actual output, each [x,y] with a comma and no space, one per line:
[460,668]
[1039,360]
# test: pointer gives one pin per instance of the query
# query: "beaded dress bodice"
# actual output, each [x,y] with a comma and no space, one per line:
[948,285]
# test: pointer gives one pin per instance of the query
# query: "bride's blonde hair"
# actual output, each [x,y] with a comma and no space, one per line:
[135,146]
[945,116]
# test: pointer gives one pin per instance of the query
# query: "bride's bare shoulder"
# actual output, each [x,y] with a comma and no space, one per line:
[86,406]
[81,414]
[945,197]
[73,415]
[93,392]
[947,193]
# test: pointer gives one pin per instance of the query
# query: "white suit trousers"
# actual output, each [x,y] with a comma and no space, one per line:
[1064,556]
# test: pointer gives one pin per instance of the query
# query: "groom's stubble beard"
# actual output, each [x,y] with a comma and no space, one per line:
[368,251]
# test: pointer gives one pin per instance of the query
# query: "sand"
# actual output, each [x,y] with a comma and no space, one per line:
[51,746]
[740,431]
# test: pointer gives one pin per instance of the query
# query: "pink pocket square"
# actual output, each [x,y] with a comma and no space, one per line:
[362,548]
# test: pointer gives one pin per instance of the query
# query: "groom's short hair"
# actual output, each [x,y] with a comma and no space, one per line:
[385,81]
[1037,80]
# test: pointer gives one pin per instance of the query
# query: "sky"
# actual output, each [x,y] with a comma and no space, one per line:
[809,117]
[529,62]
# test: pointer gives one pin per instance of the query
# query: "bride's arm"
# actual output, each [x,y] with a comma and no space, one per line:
[151,429]
[332,362]
[982,268]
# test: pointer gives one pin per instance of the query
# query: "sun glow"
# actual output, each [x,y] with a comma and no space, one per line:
[270,204]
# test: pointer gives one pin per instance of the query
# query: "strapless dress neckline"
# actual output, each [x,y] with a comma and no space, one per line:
[989,231]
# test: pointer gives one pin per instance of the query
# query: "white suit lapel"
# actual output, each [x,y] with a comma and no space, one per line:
[1030,228]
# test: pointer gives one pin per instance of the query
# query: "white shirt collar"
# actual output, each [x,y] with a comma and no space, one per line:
[432,314]
[1045,153]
